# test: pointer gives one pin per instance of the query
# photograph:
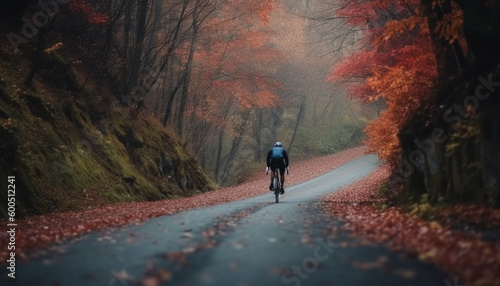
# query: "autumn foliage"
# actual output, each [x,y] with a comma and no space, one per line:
[395,64]
[460,251]
[234,65]
[94,18]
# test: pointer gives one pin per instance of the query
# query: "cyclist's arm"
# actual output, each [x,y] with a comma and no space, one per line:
[285,157]
[268,159]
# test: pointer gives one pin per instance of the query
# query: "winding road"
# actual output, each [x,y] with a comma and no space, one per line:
[249,242]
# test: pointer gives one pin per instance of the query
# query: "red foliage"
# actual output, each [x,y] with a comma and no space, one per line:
[94,18]
[363,13]
[235,65]
[463,255]
[479,215]
[396,65]
[248,9]
[357,66]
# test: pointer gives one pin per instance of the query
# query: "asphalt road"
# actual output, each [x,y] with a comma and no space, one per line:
[249,242]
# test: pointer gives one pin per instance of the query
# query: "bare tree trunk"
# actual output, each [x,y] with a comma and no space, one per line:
[127,28]
[235,145]
[275,121]
[116,14]
[149,59]
[168,62]
[187,78]
[36,60]
[219,155]
[258,136]
[142,12]
[448,59]
[171,98]
[299,118]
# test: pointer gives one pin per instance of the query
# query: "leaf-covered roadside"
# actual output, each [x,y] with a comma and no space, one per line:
[460,253]
[35,234]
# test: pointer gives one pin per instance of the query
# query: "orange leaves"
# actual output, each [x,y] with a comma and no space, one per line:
[267,98]
[466,256]
[358,66]
[479,215]
[263,9]
[383,140]
[235,62]
[354,70]
[405,87]
[396,27]
[362,13]
[248,90]
[451,26]
[83,7]
[364,189]
[397,67]
[357,13]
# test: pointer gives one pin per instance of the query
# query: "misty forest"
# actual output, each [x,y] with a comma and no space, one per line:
[119,114]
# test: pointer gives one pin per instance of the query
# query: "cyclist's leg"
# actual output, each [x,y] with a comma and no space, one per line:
[282,175]
[273,167]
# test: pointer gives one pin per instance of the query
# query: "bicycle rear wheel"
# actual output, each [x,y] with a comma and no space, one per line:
[275,181]
[276,187]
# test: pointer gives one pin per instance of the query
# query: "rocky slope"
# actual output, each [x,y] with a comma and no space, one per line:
[72,146]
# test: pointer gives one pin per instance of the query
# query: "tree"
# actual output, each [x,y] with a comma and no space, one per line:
[201,11]
[397,65]
[137,50]
[227,87]
[47,33]
[481,28]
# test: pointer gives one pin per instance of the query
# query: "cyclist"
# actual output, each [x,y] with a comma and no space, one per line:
[277,157]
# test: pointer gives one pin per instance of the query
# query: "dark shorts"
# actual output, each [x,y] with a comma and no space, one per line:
[278,163]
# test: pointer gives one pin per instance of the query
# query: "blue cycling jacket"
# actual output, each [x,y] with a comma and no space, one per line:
[277,153]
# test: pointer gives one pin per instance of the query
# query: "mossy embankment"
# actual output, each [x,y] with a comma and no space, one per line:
[72,146]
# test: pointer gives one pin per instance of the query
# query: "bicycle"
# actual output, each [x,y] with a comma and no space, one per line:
[277,183]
